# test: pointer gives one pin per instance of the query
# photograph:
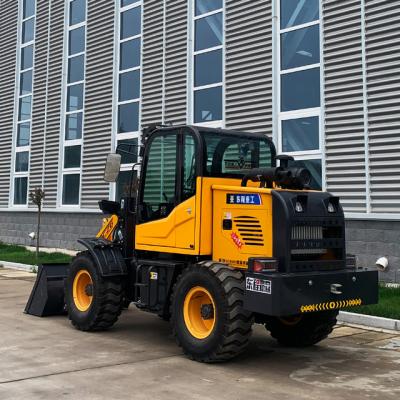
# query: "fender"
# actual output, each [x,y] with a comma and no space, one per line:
[107,256]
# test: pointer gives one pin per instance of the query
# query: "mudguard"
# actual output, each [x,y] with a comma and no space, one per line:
[107,256]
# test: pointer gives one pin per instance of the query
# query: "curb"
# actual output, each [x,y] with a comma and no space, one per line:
[21,267]
[369,321]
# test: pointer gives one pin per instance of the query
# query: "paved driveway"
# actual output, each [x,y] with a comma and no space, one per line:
[138,359]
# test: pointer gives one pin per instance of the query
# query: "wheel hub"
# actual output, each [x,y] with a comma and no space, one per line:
[207,311]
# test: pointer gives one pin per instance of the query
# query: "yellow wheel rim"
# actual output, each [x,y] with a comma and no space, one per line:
[82,290]
[199,312]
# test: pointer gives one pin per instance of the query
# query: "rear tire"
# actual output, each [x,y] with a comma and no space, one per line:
[302,330]
[93,302]
[207,315]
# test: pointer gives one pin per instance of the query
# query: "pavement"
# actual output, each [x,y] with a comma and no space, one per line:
[45,358]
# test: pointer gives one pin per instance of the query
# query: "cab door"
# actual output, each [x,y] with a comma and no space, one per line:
[158,192]
[167,207]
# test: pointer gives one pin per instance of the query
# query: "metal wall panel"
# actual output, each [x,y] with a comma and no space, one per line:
[249,65]
[344,103]
[8,51]
[39,95]
[152,62]
[97,131]
[383,82]
[176,61]
[54,97]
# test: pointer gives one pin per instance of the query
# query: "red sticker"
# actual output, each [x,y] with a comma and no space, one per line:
[236,240]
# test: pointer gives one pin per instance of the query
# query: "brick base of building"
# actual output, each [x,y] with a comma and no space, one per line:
[57,230]
[367,239]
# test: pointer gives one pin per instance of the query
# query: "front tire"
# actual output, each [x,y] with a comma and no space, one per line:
[302,330]
[207,314]
[93,302]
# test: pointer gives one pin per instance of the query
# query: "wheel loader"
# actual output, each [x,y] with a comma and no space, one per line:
[212,236]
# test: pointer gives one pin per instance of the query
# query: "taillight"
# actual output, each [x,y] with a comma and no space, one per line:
[263,264]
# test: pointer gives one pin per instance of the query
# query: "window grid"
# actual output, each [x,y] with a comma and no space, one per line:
[196,88]
[292,115]
[134,89]
[73,114]
[24,100]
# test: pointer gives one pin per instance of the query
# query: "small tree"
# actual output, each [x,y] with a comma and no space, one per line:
[36,196]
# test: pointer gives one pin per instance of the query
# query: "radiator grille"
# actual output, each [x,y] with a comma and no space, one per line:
[250,230]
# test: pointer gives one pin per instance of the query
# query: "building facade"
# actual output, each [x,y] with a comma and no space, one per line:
[321,77]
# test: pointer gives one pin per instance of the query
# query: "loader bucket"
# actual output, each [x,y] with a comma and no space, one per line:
[47,296]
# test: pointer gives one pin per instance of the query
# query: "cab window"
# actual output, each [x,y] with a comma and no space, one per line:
[160,178]
[189,167]
[234,155]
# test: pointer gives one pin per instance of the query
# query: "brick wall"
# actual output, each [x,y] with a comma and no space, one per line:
[59,230]
[370,240]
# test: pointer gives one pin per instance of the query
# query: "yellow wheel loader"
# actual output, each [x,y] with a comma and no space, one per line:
[212,236]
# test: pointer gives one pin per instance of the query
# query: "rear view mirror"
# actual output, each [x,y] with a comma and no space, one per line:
[113,165]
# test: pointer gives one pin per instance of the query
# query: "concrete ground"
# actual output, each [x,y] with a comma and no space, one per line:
[138,359]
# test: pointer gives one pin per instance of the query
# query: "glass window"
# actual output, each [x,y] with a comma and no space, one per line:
[29,8]
[125,3]
[76,41]
[300,134]
[20,191]
[124,182]
[298,12]
[75,97]
[208,105]
[72,157]
[129,85]
[300,47]
[235,154]
[27,57]
[301,90]
[189,167]
[26,83]
[76,69]
[209,32]
[73,126]
[70,192]
[77,12]
[208,68]
[205,6]
[130,54]
[25,108]
[28,28]
[128,149]
[159,182]
[21,161]
[131,23]
[315,168]
[23,134]
[128,117]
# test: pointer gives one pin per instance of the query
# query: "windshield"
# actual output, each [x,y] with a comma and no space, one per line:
[231,155]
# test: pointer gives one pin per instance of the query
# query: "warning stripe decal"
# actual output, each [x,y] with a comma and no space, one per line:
[330,305]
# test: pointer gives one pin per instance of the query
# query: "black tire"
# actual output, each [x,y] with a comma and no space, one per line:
[107,299]
[232,329]
[302,330]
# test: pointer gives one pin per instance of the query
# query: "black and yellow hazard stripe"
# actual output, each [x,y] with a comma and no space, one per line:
[330,305]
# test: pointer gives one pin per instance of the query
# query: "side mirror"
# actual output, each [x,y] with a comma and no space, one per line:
[113,165]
